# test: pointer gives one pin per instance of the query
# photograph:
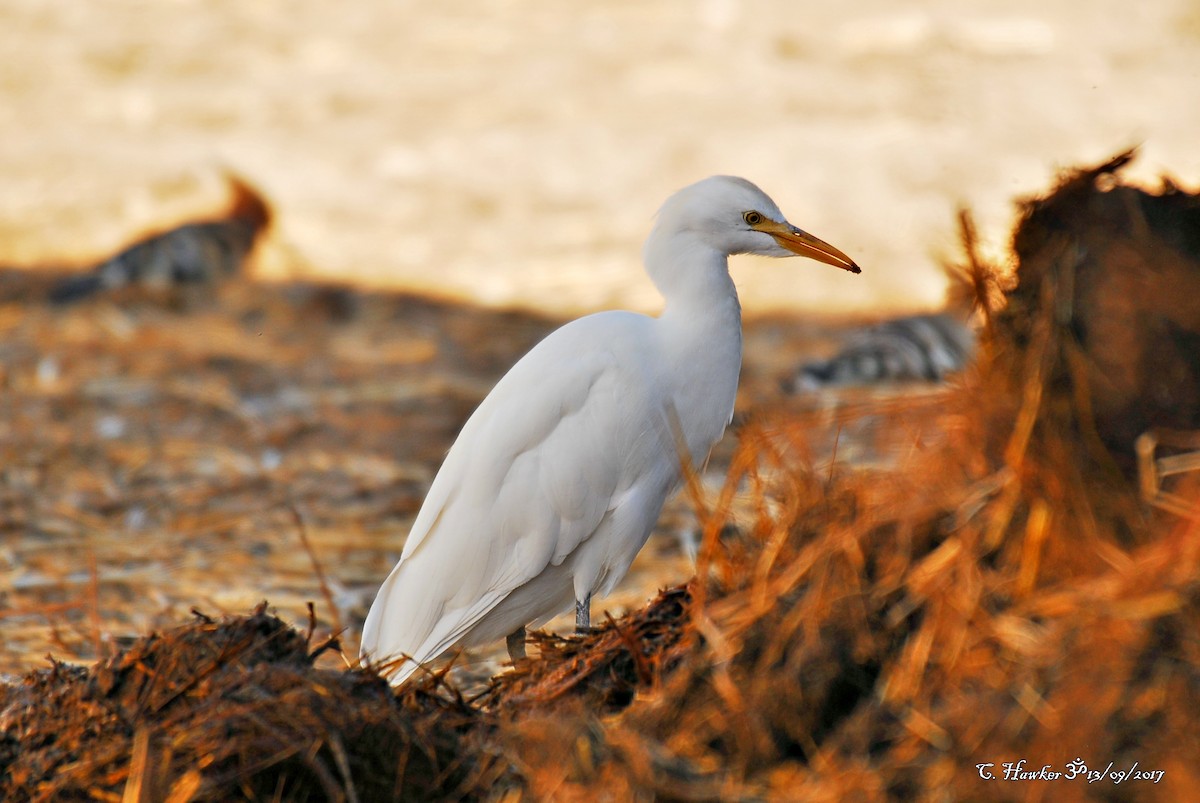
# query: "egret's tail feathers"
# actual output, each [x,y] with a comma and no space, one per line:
[406,630]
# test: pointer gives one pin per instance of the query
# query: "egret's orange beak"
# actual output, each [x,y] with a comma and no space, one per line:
[804,244]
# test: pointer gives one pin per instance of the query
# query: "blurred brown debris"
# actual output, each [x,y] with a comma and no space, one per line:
[191,255]
[173,451]
[1114,271]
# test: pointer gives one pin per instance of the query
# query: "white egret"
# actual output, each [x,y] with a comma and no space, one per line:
[557,479]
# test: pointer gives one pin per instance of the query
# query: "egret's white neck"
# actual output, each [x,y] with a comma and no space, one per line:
[700,334]
[693,278]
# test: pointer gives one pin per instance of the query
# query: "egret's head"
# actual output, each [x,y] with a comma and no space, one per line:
[735,217]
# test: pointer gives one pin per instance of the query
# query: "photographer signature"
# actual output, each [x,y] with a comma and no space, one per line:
[1022,771]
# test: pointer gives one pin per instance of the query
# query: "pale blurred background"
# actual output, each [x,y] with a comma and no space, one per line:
[515,152]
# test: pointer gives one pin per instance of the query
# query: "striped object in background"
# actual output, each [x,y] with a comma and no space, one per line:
[917,348]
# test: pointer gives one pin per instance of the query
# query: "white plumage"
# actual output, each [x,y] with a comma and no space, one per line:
[557,479]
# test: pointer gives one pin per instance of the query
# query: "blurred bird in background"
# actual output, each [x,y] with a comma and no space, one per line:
[916,348]
[194,254]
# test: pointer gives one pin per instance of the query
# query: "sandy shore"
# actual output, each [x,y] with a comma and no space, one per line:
[515,153]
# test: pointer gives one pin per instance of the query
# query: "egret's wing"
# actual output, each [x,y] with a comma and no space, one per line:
[551,427]
[537,467]
[557,490]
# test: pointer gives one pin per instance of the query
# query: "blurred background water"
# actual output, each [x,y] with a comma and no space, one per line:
[514,152]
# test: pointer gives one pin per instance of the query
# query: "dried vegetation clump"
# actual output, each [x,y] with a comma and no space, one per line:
[1001,590]
[233,710]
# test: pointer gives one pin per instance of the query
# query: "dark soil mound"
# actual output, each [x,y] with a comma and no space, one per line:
[1115,271]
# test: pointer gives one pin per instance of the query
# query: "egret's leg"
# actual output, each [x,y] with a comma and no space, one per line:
[516,645]
[583,614]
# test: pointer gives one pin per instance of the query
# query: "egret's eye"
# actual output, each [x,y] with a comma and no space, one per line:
[752,218]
